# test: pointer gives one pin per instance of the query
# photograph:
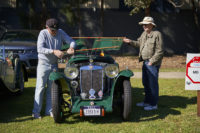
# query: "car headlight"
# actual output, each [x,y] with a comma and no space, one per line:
[111,70]
[71,72]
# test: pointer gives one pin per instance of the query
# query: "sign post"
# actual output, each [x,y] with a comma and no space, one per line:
[192,78]
[198,103]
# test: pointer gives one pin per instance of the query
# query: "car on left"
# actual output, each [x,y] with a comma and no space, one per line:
[11,71]
[24,44]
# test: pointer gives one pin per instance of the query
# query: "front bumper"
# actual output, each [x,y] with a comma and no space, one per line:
[77,104]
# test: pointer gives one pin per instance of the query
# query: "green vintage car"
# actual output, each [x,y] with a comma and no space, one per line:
[91,83]
[11,72]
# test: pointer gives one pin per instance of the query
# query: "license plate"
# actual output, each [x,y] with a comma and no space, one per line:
[92,111]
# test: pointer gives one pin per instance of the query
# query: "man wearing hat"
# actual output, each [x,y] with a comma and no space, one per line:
[49,44]
[151,53]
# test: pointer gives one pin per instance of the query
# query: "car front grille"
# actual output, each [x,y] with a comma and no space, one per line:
[91,82]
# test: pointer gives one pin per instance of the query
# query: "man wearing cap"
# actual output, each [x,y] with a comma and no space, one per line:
[49,44]
[151,53]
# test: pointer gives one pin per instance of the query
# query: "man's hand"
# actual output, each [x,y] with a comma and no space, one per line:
[126,40]
[70,51]
[150,64]
[58,53]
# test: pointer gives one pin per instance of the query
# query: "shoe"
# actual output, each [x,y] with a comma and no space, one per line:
[142,104]
[36,116]
[50,114]
[150,107]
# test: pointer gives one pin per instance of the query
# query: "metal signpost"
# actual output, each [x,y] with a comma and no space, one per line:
[192,78]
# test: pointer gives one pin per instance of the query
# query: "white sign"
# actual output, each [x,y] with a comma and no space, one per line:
[192,77]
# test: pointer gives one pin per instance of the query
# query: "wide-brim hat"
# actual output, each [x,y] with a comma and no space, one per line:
[147,20]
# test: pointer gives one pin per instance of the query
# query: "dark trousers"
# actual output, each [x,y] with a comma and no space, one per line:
[150,83]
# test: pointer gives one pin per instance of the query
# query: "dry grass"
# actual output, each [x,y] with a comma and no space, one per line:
[132,62]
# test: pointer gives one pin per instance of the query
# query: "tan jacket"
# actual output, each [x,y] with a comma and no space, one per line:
[151,47]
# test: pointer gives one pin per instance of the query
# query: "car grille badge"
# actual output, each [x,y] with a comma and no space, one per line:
[100,94]
[83,95]
[91,67]
[92,92]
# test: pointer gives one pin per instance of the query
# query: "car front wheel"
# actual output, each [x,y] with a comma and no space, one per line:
[126,100]
[56,101]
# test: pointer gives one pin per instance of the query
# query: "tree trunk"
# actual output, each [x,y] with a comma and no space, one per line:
[147,11]
[44,15]
[79,21]
[102,16]
[195,14]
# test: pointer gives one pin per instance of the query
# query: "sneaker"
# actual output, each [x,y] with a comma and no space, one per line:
[150,107]
[36,116]
[50,114]
[142,104]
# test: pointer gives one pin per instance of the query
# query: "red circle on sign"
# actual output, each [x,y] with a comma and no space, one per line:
[194,60]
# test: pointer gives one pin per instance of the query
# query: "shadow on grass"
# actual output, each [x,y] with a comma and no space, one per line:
[16,108]
[19,108]
[168,105]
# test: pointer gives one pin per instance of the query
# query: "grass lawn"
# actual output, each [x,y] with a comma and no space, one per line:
[177,113]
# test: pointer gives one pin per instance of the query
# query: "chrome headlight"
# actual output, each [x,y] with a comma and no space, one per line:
[71,72]
[111,70]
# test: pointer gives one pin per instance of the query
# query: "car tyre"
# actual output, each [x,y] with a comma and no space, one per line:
[126,100]
[20,77]
[56,101]
[21,82]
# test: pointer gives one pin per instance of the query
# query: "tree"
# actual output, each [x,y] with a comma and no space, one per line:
[71,10]
[138,5]
[195,9]
[30,11]
[145,4]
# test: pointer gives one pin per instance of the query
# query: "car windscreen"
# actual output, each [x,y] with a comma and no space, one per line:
[106,43]
[19,36]
[96,43]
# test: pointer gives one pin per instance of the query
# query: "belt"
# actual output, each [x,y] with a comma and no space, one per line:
[40,61]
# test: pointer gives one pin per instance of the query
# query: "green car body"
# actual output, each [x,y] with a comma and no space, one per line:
[98,84]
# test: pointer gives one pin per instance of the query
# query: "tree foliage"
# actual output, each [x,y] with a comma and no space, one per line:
[32,14]
[137,5]
[30,11]
[71,10]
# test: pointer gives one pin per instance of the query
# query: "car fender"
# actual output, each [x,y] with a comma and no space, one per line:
[56,76]
[122,75]
[125,73]
[64,82]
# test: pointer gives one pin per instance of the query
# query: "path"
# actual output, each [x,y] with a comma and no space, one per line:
[176,75]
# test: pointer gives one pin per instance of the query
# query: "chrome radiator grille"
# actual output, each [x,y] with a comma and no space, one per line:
[91,82]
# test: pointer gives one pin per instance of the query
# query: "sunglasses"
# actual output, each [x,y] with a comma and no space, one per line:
[53,30]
